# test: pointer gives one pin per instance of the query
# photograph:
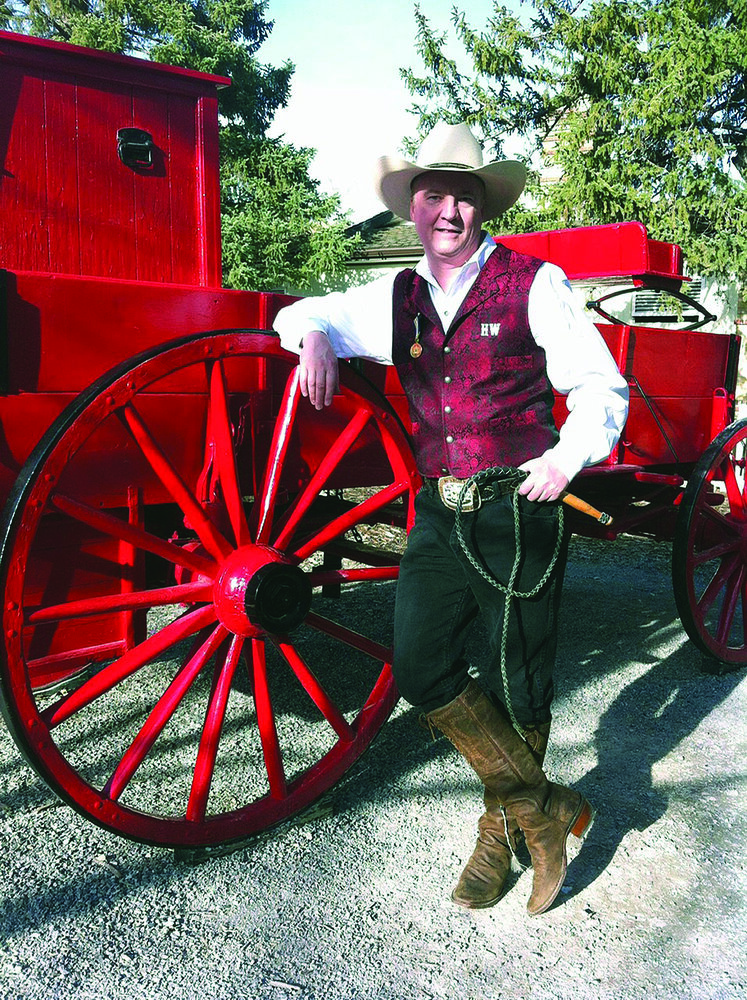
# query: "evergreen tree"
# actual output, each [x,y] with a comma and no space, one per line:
[278,229]
[639,105]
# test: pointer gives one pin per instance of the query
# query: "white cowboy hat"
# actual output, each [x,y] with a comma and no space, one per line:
[449,148]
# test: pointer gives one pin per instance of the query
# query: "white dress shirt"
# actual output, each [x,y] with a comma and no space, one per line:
[579,365]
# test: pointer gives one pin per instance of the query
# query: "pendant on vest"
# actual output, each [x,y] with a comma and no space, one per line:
[417,348]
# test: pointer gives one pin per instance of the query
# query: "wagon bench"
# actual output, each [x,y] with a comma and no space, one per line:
[175,514]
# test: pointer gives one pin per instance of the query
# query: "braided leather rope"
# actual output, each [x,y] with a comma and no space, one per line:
[508,477]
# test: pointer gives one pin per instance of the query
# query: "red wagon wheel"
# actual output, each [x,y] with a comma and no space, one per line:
[709,563]
[191,493]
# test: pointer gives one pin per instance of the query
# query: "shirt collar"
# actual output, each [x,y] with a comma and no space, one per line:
[470,267]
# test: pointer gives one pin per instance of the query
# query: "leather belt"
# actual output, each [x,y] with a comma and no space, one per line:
[449,489]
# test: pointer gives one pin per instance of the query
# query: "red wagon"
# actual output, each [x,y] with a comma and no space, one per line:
[177,518]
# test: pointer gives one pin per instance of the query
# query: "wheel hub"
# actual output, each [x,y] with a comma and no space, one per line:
[259,590]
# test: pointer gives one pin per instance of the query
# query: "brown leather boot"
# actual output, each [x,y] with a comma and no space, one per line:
[546,813]
[483,881]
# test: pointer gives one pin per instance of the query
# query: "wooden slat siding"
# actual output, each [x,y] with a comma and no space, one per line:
[26,242]
[153,211]
[67,203]
[209,184]
[62,182]
[183,190]
[107,194]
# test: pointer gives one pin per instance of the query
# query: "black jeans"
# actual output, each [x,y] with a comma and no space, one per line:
[440,594]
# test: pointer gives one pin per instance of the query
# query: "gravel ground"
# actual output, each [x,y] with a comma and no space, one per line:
[354,903]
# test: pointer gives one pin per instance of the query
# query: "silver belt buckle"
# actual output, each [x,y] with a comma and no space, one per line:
[450,489]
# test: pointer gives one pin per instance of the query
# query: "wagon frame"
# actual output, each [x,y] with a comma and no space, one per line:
[176,514]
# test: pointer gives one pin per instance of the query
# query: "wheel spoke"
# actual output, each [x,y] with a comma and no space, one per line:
[734,491]
[314,689]
[716,584]
[162,711]
[133,535]
[715,552]
[351,518]
[266,723]
[732,593]
[111,675]
[185,593]
[208,749]
[723,523]
[353,639]
[185,499]
[220,428]
[330,577]
[276,459]
[327,466]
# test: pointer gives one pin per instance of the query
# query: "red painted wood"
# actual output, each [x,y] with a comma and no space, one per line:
[63,186]
[67,330]
[622,249]
[153,199]
[24,236]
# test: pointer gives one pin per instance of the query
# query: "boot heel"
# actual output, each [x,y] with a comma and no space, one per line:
[584,821]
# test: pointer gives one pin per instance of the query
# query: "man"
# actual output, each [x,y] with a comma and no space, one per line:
[480,336]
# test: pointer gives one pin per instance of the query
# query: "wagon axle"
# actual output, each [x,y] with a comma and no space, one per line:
[260,590]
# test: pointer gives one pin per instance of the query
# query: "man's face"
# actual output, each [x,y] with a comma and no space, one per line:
[447,210]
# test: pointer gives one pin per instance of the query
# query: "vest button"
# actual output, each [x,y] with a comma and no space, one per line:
[447,409]
[449,438]
[447,379]
[447,350]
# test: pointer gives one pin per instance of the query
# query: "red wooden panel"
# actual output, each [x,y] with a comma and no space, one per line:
[107,195]
[209,171]
[23,420]
[187,231]
[678,434]
[672,376]
[617,250]
[64,331]
[60,174]
[686,363]
[67,202]
[152,217]
[24,238]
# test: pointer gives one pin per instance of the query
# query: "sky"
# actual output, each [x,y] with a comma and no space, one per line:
[347,99]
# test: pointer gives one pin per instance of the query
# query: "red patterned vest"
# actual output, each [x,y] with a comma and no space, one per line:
[479,394]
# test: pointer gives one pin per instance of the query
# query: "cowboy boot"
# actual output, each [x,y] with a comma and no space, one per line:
[546,813]
[483,881]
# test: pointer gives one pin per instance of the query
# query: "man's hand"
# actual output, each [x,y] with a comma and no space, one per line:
[317,362]
[545,480]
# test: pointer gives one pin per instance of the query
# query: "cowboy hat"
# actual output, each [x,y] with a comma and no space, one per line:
[450,148]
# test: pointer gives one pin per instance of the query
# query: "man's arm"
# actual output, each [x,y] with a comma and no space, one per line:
[580,366]
[352,324]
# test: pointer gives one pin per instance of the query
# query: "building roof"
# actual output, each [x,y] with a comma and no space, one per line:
[385,239]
